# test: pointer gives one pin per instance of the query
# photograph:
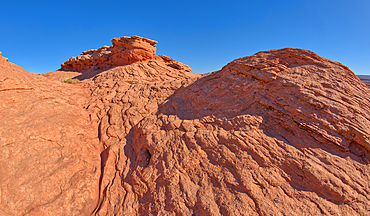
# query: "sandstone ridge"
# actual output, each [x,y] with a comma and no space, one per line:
[281,132]
[124,50]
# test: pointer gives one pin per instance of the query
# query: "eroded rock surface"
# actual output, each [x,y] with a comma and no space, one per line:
[282,132]
[121,98]
[51,155]
[49,152]
[124,50]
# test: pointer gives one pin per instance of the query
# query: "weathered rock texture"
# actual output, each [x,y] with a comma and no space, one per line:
[49,152]
[278,133]
[121,98]
[282,132]
[124,50]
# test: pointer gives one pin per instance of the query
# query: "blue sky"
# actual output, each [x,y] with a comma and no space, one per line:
[206,35]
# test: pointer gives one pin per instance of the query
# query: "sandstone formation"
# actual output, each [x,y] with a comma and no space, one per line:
[2,57]
[282,132]
[49,148]
[278,133]
[124,50]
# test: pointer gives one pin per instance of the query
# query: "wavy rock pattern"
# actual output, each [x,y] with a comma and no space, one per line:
[49,150]
[282,132]
[124,50]
[279,132]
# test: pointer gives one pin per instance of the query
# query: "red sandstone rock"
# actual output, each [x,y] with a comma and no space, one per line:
[124,50]
[49,154]
[47,133]
[282,132]
[2,57]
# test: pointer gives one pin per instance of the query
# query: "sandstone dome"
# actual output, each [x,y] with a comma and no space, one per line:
[281,132]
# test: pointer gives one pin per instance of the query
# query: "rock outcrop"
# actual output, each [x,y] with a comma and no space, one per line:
[282,132]
[49,147]
[121,98]
[50,137]
[124,50]
[2,57]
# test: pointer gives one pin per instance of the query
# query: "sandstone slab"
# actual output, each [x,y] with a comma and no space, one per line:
[49,155]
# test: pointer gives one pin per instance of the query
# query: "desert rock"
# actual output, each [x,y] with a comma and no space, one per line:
[282,132]
[124,50]
[2,57]
[55,132]
[49,148]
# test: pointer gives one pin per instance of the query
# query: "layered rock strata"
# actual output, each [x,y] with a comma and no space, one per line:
[124,50]
[282,132]
[49,147]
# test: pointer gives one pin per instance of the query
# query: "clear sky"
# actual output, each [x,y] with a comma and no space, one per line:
[206,35]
